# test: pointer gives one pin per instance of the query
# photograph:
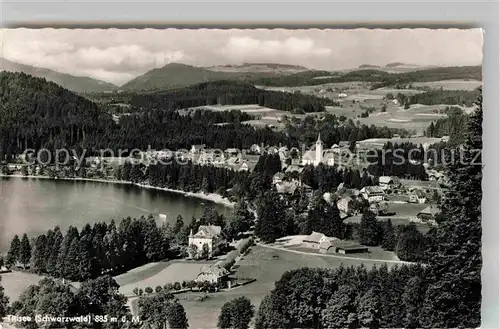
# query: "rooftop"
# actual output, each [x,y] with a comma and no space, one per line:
[208,231]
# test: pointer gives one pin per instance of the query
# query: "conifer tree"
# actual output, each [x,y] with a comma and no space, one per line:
[4,301]
[388,241]
[14,252]
[453,298]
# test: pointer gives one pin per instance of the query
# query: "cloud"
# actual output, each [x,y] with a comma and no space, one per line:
[244,48]
[118,55]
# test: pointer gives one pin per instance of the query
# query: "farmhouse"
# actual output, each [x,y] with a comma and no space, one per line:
[209,235]
[212,274]
[388,182]
[373,193]
[418,196]
[428,213]
[315,239]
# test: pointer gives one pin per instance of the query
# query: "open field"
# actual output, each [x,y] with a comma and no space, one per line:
[15,283]
[450,84]
[159,275]
[258,264]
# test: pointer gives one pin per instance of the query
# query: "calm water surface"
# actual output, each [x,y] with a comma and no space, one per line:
[35,205]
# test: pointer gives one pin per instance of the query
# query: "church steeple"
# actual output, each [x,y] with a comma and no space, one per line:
[319,151]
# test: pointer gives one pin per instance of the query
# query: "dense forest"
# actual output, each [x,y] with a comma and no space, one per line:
[436,97]
[228,93]
[401,160]
[452,125]
[379,78]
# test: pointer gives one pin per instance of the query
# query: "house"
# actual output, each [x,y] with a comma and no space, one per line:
[428,213]
[345,205]
[326,247]
[373,193]
[207,234]
[232,152]
[197,148]
[315,239]
[388,182]
[278,177]
[294,169]
[289,188]
[256,149]
[342,95]
[4,269]
[445,139]
[284,153]
[418,196]
[336,149]
[212,274]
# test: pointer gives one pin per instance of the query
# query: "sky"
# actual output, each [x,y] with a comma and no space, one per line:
[119,55]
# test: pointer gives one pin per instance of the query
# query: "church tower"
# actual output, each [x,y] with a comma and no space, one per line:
[319,151]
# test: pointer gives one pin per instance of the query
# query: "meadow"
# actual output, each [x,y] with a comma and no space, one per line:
[266,266]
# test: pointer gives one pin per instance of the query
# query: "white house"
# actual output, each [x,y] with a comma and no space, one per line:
[342,95]
[212,274]
[315,239]
[418,196]
[388,182]
[207,234]
[373,193]
[343,205]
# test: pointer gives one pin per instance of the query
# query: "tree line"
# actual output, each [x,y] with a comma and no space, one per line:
[440,96]
[228,93]
[93,251]
[400,160]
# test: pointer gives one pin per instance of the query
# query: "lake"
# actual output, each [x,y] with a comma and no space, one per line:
[36,205]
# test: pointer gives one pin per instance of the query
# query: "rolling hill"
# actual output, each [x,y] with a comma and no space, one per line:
[176,75]
[70,82]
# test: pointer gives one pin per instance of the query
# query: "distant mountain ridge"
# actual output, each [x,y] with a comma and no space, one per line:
[73,83]
[176,75]
[260,67]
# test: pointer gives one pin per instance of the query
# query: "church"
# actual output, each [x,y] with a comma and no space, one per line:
[318,155]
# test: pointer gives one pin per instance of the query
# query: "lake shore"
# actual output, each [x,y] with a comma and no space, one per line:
[212,197]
